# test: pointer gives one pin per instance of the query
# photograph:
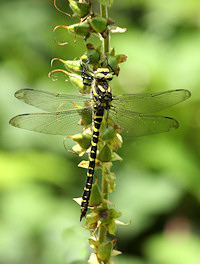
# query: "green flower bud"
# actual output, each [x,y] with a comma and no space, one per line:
[91,220]
[81,29]
[77,81]
[121,58]
[104,251]
[112,62]
[77,148]
[74,66]
[114,213]
[80,9]
[105,154]
[93,54]
[95,196]
[84,140]
[99,24]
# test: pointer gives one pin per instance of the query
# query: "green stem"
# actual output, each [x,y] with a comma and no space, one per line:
[104,184]
[106,41]
[102,230]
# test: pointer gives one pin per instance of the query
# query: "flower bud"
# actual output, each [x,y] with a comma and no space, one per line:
[77,149]
[114,213]
[84,140]
[121,58]
[99,24]
[104,251]
[93,54]
[80,9]
[81,29]
[77,81]
[74,66]
[105,154]
[95,196]
[112,62]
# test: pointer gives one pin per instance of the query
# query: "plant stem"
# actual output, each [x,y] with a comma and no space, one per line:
[102,229]
[104,184]
[106,41]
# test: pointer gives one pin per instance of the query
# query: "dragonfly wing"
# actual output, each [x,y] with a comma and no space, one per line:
[55,123]
[50,101]
[149,103]
[136,124]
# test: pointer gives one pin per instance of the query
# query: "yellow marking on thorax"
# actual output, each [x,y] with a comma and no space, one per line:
[94,92]
[102,70]
[101,88]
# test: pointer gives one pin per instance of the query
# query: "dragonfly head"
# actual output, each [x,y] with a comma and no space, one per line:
[103,75]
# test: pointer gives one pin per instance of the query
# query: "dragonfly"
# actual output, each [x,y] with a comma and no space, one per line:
[63,112]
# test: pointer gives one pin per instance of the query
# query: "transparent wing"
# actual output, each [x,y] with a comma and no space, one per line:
[50,101]
[56,123]
[136,124]
[149,103]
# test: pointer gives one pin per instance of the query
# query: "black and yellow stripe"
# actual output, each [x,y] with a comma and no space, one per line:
[101,98]
[97,119]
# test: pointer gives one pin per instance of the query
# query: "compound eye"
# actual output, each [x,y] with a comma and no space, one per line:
[100,75]
[109,76]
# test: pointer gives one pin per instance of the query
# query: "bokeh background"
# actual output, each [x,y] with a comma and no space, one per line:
[158,183]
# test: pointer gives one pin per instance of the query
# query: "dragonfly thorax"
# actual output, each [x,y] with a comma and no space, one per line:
[101,95]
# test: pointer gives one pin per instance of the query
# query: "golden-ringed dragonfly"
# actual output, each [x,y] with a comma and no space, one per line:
[131,112]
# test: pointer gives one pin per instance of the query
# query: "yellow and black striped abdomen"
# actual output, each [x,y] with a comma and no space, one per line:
[97,119]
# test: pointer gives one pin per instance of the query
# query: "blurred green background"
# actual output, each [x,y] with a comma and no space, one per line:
[158,183]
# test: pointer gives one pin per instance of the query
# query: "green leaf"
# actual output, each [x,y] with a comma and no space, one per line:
[105,154]
[99,24]
[95,197]
[81,9]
